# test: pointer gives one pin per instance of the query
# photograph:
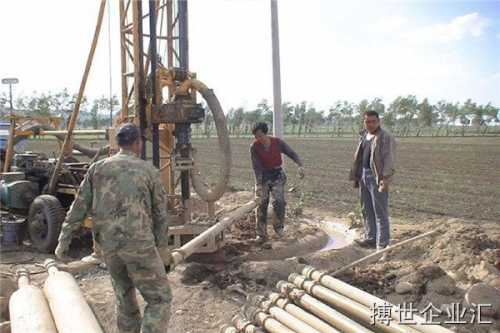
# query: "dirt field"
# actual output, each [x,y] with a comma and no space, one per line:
[452,177]
[436,177]
[446,183]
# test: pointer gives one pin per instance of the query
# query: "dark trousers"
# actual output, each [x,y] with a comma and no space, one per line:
[273,184]
[375,209]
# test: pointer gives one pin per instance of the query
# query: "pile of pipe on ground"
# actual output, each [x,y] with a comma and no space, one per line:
[314,302]
[59,307]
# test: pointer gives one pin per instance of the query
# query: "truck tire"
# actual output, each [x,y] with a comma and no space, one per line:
[45,219]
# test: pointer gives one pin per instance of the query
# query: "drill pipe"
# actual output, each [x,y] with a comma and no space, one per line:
[303,315]
[320,309]
[61,135]
[71,311]
[365,298]
[345,304]
[179,255]
[29,310]
[287,319]
[266,321]
[245,326]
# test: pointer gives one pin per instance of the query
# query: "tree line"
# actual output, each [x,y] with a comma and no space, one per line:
[404,116]
[94,113]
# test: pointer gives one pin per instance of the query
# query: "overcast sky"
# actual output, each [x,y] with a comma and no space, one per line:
[330,50]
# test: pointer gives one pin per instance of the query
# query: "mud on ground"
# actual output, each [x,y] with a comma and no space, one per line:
[209,289]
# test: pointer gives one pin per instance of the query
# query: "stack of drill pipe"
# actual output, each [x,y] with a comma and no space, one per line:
[320,309]
[301,314]
[286,318]
[67,303]
[266,321]
[346,305]
[245,326]
[29,310]
[365,298]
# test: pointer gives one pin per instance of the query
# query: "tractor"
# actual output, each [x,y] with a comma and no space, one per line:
[27,209]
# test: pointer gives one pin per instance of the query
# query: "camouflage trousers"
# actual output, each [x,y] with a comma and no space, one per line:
[142,269]
[274,185]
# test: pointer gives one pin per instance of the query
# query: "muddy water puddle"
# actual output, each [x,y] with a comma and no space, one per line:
[339,235]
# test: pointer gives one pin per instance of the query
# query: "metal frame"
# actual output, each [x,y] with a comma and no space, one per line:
[141,95]
[135,68]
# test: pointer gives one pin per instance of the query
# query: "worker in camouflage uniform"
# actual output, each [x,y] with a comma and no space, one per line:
[127,202]
[270,178]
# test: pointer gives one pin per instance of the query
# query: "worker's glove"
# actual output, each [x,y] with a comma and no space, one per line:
[61,251]
[302,173]
[383,186]
[258,193]
[166,257]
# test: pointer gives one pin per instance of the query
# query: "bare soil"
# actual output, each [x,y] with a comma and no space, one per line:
[209,289]
[446,183]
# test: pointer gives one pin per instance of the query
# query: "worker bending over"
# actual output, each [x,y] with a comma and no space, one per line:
[270,178]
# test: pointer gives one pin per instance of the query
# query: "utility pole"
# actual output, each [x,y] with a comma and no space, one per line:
[277,112]
[10,143]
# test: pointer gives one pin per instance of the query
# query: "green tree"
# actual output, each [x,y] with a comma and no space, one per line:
[359,111]
[426,114]
[377,106]
[312,118]
[288,116]
[334,118]
[300,114]
[207,124]
[63,104]
[491,113]
[451,114]
[389,120]
[4,105]
[467,111]
[266,111]
[238,117]
[406,109]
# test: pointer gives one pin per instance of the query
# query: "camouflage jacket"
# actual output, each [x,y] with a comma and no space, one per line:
[126,200]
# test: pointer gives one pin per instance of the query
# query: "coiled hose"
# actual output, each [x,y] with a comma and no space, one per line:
[212,194]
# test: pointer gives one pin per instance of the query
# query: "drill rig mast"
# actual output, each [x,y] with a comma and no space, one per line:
[165,118]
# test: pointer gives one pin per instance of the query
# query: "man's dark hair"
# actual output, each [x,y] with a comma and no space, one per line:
[127,135]
[261,126]
[371,113]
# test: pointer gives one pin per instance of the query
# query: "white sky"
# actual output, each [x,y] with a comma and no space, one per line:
[330,50]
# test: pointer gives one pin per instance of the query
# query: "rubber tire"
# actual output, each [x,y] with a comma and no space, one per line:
[53,213]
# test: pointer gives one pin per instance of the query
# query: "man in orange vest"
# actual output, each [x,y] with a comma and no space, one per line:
[270,177]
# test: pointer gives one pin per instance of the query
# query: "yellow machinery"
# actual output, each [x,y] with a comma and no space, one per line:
[162,100]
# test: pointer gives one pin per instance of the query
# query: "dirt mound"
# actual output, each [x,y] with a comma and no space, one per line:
[467,252]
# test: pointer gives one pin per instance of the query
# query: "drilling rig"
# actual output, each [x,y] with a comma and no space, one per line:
[162,99]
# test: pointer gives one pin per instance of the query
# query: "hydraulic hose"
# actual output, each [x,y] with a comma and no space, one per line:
[214,193]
